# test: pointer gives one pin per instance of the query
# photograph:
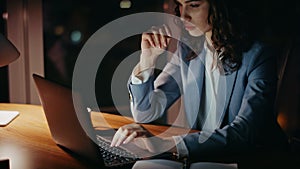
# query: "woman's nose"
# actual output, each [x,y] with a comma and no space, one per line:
[184,14]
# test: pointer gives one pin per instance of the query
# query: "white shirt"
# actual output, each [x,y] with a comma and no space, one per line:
[212,75]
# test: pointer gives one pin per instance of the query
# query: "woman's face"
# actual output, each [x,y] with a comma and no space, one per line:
[194,14]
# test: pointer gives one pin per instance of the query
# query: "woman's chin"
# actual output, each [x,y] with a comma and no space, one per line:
[195,33]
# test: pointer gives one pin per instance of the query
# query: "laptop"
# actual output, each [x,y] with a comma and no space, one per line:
[76,136]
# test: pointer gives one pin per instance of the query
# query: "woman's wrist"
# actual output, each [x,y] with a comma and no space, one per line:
[145,65]
[147,61]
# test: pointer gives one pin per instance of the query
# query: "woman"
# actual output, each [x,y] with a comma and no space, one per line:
[227,82]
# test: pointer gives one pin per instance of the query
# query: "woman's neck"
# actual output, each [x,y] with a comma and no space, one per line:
[208,38]
[209,41]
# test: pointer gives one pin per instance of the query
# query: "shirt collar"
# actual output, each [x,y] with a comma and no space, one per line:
[211,57]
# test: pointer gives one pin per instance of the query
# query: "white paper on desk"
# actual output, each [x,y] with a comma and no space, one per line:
[214,165]
[7,116]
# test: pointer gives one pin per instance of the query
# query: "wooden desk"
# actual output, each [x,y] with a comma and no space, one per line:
[27,142]
[104,120]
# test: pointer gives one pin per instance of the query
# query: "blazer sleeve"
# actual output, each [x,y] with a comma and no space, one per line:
[253,114]
[150,99]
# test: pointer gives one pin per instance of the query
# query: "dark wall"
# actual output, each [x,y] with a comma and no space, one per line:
[3,70]
[61,18]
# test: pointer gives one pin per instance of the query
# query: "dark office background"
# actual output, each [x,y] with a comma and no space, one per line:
[84,18]
[3,70]
[64,20]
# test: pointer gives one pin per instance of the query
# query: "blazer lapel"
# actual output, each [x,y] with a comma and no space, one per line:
[224,96]
[193,92]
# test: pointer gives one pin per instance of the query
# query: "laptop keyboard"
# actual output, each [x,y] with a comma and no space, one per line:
[115,156]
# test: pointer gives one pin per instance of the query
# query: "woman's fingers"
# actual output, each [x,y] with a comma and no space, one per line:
[130,138]
[121,137]
[154,43]
[167,30]
[153,39]
[146,37]
[163,38]
[116,137]
[158,36]
[127,133]
[167,34]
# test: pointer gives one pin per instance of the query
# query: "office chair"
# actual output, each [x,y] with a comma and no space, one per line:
[288,95]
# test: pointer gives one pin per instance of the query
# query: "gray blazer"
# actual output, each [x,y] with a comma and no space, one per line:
[245,107]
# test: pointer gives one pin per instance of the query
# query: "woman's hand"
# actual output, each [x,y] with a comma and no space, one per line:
[127,133]
[154,43]
[142,138]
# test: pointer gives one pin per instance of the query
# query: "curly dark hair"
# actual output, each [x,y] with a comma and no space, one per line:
[230,30]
